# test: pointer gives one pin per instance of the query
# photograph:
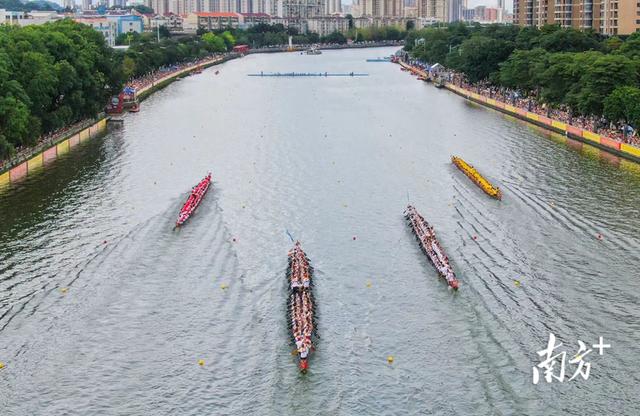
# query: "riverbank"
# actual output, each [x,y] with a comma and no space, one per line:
[30,157]
[40,158]
[582,135]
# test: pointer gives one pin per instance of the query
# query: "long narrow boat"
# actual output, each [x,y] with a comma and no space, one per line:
[477,178]
[429,244]
[197,193]
[300,306]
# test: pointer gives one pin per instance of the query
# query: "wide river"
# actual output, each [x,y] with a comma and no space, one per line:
[106,310]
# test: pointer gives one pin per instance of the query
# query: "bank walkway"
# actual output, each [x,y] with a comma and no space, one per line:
[601,141]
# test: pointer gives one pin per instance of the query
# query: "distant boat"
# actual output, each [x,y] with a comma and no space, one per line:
[314,51]
[384,59]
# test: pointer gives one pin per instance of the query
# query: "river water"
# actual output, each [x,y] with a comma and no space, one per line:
[104,309]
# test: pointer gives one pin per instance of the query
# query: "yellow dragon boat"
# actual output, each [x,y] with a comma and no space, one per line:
[477,178]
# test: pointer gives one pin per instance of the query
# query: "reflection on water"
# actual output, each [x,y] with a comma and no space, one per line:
[328,159]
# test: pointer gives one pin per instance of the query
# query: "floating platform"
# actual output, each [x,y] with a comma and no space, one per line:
[307,74]
[379,60]
[477,178]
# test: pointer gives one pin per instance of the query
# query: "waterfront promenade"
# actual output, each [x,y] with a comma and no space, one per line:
[582,129]
[146,85]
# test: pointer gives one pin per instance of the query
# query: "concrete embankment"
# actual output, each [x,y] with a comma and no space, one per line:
[601,142]
[40,158]
[45,153]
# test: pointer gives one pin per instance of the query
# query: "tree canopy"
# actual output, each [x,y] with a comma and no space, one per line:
[50,76]
[579,69]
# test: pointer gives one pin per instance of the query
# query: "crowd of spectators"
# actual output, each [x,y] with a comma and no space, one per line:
[600,125]
[151,78]
[49,139]
[24,152]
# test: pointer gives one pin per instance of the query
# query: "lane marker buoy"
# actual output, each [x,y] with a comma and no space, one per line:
[224,286]
[64,290]
[517,283]
[1,365]
[201,362]
[369,283]
[390,359]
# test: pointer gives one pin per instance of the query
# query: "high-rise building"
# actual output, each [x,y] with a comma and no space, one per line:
[333,7]
[160,7]
[454,10]
[609,17]
[298,8]
[380,8]
[434,9]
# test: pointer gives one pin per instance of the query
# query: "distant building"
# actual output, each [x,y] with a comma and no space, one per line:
[326,25]
[127,23]
[378,8]
[8,17]
[490,15]
[468,15]
[333,7]
[252,19]
[108,28]
[212,21]
[302,9]
[454,10]
[433,9]
[608,17]
[172,22]
[160,7]
[28,18]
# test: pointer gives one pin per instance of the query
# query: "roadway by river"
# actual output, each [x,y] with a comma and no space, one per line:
[327,159]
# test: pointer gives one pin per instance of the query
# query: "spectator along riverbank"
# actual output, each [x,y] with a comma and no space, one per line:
[592,130]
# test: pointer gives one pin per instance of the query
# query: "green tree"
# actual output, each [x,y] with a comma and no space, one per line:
[228,39]
[409,26]
[601,78]
[623,104]
[214,43]
[523,68]
[335,37]
[630,48]
[481,57]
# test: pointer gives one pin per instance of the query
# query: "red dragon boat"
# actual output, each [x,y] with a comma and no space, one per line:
[300,304]
[429,244]
[197,193]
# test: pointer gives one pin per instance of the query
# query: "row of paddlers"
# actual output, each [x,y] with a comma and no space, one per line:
[300,304]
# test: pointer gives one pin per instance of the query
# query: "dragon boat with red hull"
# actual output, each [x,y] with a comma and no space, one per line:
[197,193]
[300,305]
[430,245]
